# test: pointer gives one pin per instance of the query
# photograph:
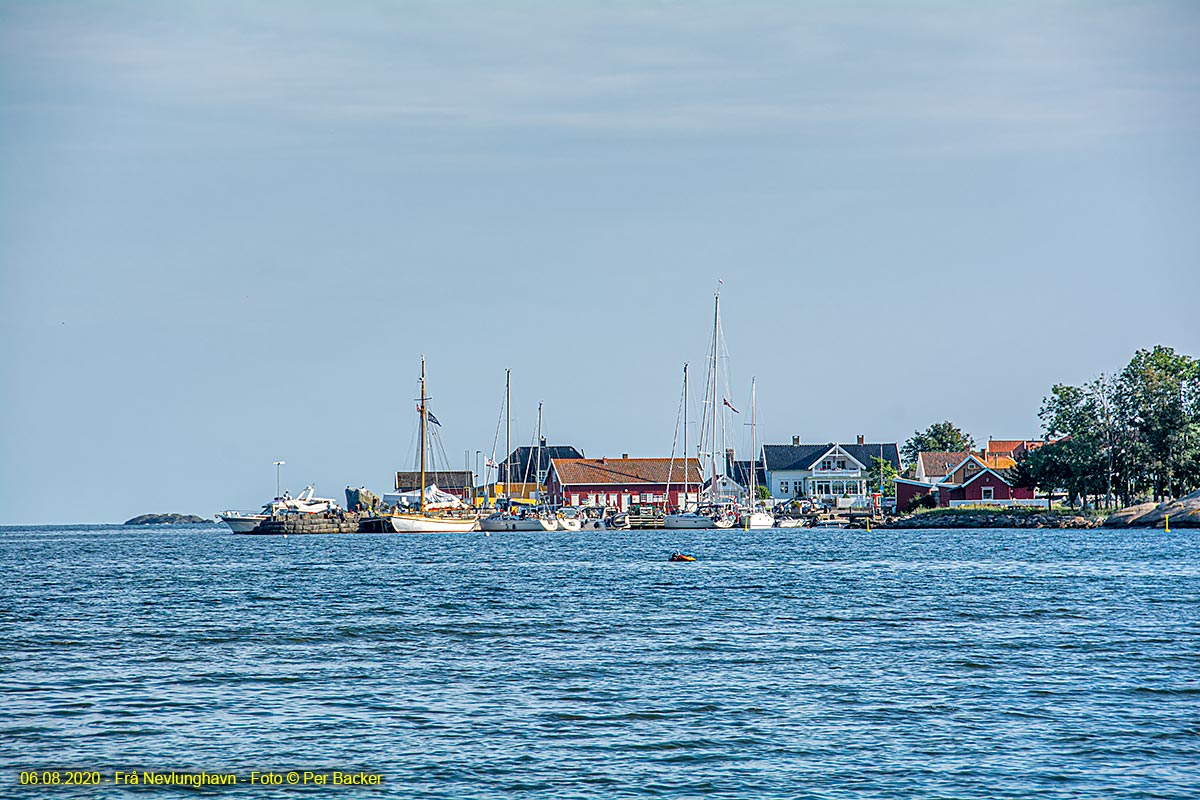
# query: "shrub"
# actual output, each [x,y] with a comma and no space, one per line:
[921,501]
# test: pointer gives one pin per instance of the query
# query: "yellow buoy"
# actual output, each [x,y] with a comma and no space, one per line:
[1168,528]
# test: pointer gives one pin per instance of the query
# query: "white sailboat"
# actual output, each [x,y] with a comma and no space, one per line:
[511,519]
[435,512]
[685,518]
[754,516]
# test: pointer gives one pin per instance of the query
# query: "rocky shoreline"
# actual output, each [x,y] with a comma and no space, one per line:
[954,518]
[1182,513]
[168,519]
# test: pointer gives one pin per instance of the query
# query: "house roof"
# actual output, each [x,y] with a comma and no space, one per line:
[982,472]
[1007,447]
[445,479]
[526,464]
[621,471]
[739,472]
[940,464]
[805,456]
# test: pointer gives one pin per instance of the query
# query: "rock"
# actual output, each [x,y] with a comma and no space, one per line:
[1184,513]
[1121,518]
[168,519]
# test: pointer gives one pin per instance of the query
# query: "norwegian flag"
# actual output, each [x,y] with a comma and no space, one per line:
[725,401]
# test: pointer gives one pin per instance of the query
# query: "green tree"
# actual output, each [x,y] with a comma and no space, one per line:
[1158,400]
[762,492]
[938,437]
[882,473]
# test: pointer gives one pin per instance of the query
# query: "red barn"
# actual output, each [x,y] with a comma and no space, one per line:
[621,482]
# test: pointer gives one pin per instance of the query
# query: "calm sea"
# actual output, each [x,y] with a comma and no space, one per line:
[788,664]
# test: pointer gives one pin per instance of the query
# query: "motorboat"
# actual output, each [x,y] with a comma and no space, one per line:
[304,503]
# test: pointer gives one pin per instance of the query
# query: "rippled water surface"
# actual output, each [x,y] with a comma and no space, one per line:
[983,663]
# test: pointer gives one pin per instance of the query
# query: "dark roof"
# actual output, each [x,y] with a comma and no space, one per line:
[445,479]
[525,462]
[804,456]
[739,471]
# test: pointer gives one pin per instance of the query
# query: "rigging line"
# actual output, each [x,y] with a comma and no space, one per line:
[675,440]
[496,441]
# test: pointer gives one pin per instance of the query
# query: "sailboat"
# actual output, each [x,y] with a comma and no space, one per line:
[710,514]
[511,519]
[436,511]
[684,518]
[754,516]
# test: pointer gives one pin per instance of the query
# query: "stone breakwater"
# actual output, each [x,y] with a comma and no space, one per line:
[989,519]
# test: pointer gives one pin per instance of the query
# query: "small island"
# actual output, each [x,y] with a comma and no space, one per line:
[168,519]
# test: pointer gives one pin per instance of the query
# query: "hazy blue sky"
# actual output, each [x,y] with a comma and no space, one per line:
[228,231]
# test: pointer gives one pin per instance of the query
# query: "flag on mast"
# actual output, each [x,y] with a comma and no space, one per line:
[725,401]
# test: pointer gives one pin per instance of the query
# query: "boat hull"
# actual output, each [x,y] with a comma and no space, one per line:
[755,520]
[680,521]
[243,523]
[422,523]
[507,523]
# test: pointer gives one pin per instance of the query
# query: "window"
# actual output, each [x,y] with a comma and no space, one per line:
[989,493]
[842,464]
[783,488]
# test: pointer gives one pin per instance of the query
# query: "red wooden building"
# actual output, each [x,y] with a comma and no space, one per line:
[971,481]
[621,482]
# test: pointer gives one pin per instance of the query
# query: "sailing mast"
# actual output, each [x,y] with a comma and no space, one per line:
[508,435]
[753,454]
[685,452]
[424,415]
[715,403]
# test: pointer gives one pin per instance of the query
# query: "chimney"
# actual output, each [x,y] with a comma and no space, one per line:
[795,440]
[604,459]
[624,456]
[861,439]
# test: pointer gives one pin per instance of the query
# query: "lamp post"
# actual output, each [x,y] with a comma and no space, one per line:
[277,464]
[477,454]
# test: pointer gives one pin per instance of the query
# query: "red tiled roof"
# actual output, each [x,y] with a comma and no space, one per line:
[937,465]
[573,471]
[1006,447]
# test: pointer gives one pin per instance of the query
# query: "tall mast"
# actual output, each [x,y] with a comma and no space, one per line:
[424,414]
[685,452]
[537,467]
[753,454]
[716,403]
[507,433]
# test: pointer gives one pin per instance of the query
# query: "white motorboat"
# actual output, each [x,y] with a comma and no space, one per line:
[242,521]
[568,520]
[304,503]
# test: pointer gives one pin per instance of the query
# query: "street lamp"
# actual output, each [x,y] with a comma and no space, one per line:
[477,454]
[277,464]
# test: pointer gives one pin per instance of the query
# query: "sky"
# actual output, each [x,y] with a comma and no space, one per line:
[229,232]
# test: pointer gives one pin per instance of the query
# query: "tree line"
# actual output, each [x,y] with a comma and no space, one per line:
[1117,438]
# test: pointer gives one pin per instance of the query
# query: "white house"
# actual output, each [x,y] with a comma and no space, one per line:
[826,472]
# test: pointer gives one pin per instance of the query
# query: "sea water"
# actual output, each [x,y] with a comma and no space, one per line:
[780,664]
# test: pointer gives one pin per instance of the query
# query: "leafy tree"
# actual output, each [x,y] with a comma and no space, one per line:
[938,437]
[881,472]
[762,492]
[1158,399]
